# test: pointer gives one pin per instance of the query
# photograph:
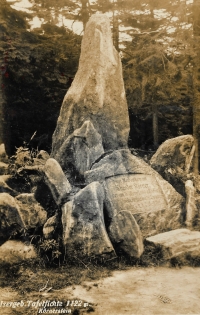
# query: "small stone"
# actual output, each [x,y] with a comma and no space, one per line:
[31,211]
[3,168]
[15,252]
[84,232]
[11,220]
[41,158]
[4,187]
[3,154]
[50,227]
[43,155]
[56,181]
[180,242]
[125,234]
[191,209]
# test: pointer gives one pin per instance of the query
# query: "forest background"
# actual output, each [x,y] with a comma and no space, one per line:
[160,50]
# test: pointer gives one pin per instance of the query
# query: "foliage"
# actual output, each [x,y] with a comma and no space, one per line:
[49,251]
[157,64]
[37,69]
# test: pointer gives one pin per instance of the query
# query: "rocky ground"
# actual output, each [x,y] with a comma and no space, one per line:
[145,291]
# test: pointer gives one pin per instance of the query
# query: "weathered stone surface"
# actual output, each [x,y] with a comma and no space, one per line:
[10,217]
[132,185]
[84,233]
[3,154]
[3,168]
[174,153]
[50,227]
[180,242]
[97,92]
[4,187]
[80,150]
[56,181]
[41,158]
[173,160]
[31,211]
[191,209]
[43,195]
[43,155]
[15,252]
[125,234]
[118,162]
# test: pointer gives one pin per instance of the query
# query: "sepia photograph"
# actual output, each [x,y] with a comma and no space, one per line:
[100,157]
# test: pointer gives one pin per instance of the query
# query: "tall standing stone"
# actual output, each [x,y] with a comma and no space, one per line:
[97,92]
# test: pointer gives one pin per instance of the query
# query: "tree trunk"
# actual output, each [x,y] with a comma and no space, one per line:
[196,76]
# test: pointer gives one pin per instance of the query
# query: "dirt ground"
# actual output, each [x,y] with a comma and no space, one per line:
[145,291]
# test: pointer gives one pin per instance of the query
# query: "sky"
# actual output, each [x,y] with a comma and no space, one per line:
[77,26]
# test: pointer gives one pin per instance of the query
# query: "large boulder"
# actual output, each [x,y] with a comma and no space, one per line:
[57,182]
[132,185]
[11,220]
[84,232]
[31,211]
[15,252]
[79,151]
[97,92]
[173,160]
[181,243]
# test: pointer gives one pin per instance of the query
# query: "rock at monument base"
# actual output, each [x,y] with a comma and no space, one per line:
[31,211]
[15,252]
[174,152]
[84,233]
[43,195]
[82,148]
[191,209]
[132,185]
[4,187]
[56,181]
[125,234]
[50,226]
[3,168]
[181,243]
[41,158]
[43,155]
[173,160]
[97,92]
[3,154]
[10,217]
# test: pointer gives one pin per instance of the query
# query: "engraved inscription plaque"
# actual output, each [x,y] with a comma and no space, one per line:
[135,193]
